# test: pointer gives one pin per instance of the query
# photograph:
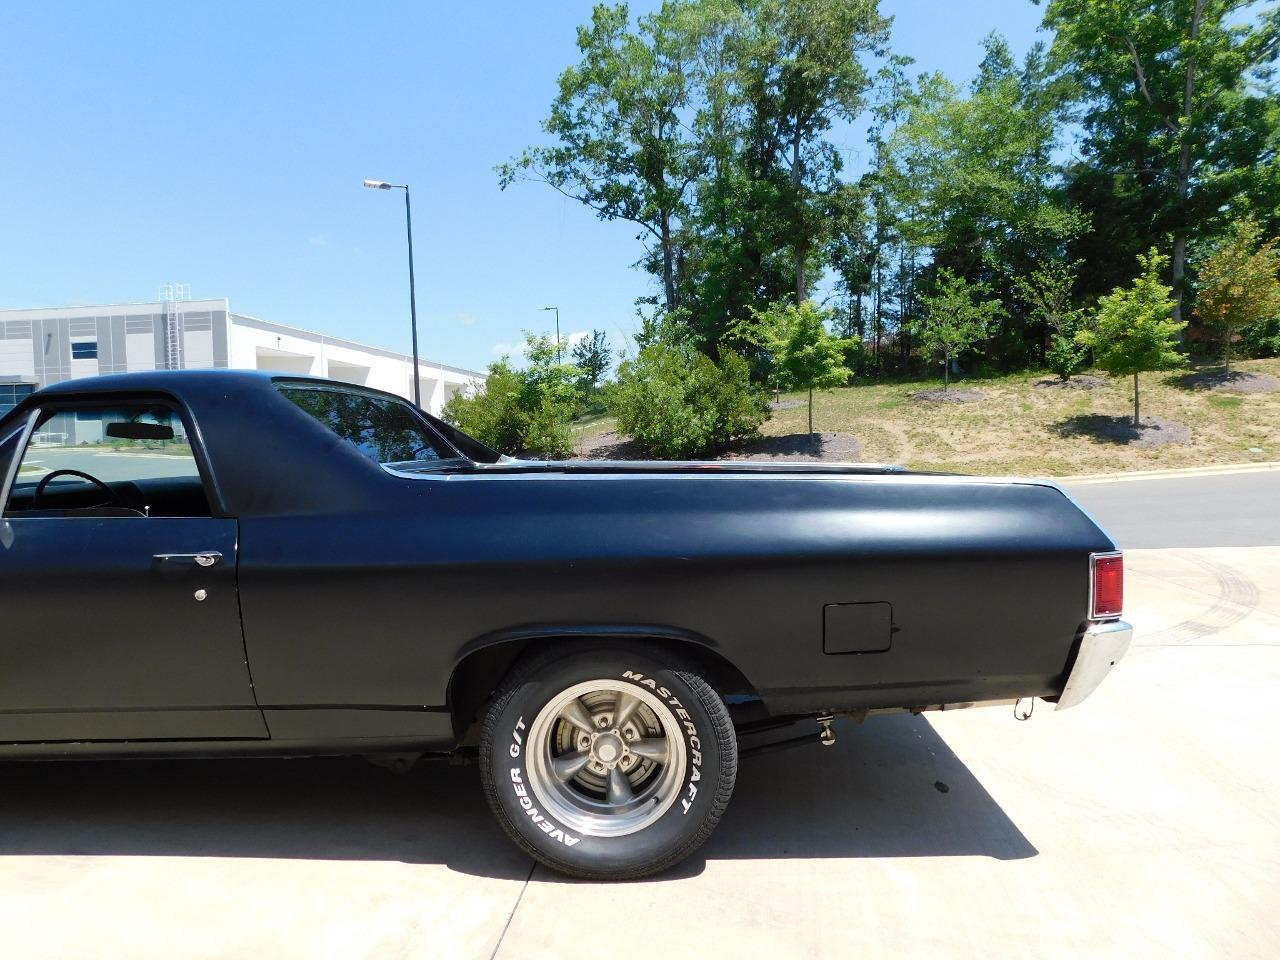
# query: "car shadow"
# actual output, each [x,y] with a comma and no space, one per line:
[890,788]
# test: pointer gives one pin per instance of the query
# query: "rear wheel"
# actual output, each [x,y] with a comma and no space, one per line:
[607,763]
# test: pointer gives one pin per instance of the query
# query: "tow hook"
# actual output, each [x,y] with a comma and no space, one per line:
[828,735]
[1024,713]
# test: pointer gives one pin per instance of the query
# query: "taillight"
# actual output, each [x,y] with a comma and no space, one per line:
[1108,585]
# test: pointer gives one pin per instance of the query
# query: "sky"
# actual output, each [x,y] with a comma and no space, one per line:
[223,145]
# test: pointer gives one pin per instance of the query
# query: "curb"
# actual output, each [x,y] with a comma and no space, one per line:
[1223,470]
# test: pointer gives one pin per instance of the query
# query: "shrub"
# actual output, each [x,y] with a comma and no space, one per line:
[1262,339]
[676,401]
[522,411]
[1066,354]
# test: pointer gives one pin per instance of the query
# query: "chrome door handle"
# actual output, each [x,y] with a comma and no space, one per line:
[206,558]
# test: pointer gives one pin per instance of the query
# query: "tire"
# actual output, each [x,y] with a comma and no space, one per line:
[622,801]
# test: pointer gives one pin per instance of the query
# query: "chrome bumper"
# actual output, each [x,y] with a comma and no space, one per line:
[1101,648]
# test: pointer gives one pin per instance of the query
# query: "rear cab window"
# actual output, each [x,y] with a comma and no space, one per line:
[389,432]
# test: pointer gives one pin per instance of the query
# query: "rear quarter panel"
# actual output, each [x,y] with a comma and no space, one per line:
[375,606]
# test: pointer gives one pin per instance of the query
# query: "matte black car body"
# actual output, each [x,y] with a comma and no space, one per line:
[361,609]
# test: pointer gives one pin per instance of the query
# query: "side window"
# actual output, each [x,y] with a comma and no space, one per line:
[132,460]
[386,431]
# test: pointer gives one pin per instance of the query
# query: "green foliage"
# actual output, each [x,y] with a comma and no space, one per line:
[1262,339]
[974,174]
[802,353]
[709,124]
[620,147]
[1239,284]
[592,355]
[1180,119]
[522,411]
[957,316]
[675,401]
[1066,355]
[1047,293]
[1134,330]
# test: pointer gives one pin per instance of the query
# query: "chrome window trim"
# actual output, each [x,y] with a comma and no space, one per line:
[24,437]
[1093,582]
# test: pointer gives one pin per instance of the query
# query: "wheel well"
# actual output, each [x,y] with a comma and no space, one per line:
[478,674]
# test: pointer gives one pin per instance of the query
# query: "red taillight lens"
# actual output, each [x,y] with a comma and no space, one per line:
[1108,586]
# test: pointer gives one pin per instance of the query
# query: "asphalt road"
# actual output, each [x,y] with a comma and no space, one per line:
[108,465]
[1231,510]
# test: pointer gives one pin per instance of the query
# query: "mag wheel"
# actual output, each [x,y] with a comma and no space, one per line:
[607,764]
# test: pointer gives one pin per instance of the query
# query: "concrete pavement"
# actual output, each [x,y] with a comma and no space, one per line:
[1140,824]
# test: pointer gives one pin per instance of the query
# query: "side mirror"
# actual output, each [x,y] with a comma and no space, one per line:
[139,431]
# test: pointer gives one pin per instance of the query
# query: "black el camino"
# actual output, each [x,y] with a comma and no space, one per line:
[235,563]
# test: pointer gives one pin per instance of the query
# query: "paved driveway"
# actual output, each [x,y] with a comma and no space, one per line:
[1143,823]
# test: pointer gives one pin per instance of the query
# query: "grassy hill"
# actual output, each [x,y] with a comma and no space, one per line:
[1019,428]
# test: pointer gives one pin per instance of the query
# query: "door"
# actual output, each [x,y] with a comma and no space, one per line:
[118,586]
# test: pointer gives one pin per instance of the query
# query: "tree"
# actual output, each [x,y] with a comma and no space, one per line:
[1047,293]
[1239,284]
[956,317]
[977,171]
[1178,110]
[621,147]
[592,356]
[804,355]
[806,73]
[522,410]
[1134,330]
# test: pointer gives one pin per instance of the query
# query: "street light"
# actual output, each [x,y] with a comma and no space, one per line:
[559,359]
[413,300]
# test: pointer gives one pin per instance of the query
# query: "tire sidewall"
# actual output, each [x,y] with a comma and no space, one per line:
[506,763]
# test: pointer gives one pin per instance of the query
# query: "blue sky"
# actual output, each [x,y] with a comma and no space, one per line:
[223,145]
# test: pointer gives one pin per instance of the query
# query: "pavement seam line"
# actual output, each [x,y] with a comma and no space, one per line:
[512,915]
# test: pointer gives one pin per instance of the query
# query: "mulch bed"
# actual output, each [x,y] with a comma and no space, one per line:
[1081,381]
[611,446]
[802,447]
[828,447]
[1237,381]
[785,404]
[948,396]
[1151,432]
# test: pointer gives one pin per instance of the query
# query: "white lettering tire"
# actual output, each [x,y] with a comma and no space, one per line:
[607,762]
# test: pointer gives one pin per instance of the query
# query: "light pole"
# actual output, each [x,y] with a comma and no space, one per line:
[559,359]
[413,300]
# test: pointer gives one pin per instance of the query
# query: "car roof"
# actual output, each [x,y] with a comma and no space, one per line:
[186,385]
[176,380]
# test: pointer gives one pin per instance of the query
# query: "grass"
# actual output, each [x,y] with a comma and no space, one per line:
[1019,429]
[589,426]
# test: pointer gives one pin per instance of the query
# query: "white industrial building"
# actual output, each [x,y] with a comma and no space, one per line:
[49,345]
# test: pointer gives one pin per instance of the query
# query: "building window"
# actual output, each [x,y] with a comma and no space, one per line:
[11,394]
[85,351]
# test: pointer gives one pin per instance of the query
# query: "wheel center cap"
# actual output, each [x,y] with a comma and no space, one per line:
[608,748]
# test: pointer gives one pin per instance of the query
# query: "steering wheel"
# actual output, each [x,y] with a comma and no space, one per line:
[112,498]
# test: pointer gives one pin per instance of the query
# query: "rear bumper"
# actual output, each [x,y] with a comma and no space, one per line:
[1101,648]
